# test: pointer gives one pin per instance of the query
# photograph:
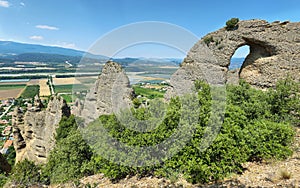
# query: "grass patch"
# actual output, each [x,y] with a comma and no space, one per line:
[30,91]
[148,93]
[69,88]
[67,98]
[12,86]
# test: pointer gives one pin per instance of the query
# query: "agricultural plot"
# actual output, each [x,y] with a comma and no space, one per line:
[65,81]
[11,91]
[30,91]
[149,93]
[44,88]
[69,88]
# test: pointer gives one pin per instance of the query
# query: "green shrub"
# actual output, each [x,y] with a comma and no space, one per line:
[26,174]
[232,24]
[248,134]
[65,126]
[67,159]
[208,39]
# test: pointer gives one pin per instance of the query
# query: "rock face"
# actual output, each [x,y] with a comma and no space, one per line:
[34,131]
[110,93]
[274,54]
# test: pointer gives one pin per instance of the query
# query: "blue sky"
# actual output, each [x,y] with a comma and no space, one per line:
[79,23]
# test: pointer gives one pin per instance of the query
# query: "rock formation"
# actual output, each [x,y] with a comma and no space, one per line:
[34,131]
[110,93]
[274,54]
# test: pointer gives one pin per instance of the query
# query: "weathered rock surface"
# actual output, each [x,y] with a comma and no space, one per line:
[110,93]
[34,131]
[274,54]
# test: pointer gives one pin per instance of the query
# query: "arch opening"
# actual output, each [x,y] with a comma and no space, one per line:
[239,57]
[237,61]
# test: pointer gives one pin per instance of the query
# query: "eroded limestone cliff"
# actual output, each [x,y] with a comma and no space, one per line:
[34,131]
[274,54]
[110,93]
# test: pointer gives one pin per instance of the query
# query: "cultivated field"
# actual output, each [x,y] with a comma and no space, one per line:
[65,81]
[44,88]
[33,82]
[11,90]
[11,93]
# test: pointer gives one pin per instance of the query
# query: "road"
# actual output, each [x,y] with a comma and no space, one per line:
[6,111]
[50,81]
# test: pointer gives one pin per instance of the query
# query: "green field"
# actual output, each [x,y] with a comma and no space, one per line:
[69,88]
[148,93]
[68,98]
[30,91]
[12,86]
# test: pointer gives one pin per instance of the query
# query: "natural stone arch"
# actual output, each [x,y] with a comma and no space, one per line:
[274,54]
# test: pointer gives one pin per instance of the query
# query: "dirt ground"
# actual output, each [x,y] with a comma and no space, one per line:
[11,93]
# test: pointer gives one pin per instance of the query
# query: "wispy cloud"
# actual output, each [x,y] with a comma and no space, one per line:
[46,27]
[22,4]
[4,4]
[36,37]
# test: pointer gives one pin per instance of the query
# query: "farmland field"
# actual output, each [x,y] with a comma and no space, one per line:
[11,91]
[44,88]
[150,93]
[65,81]
[30,91]
[12,86]
[69,88]
[68,98]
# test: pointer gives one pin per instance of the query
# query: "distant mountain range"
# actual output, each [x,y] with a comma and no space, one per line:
[11,52]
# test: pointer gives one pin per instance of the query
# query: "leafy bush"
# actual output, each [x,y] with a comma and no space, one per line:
[208,39]
[232,24]
[67,159]
[25,173]
[65,126]
[256,126]
[248,134]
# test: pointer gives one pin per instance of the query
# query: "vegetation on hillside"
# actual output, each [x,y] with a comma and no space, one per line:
[232,24]
[258,125]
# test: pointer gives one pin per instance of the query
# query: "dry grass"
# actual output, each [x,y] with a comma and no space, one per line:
[44,88]
[285,174]
[65,81]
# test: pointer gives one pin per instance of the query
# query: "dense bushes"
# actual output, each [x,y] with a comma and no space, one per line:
[232,24]
[249,133]
[257,126]
[26,173]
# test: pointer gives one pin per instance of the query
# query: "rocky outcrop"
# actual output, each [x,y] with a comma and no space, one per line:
[110,93]
[274,54]
[34,131]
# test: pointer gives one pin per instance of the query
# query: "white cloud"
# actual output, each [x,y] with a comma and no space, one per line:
[22,4]
[46,27]
[4,4]
[36,37]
